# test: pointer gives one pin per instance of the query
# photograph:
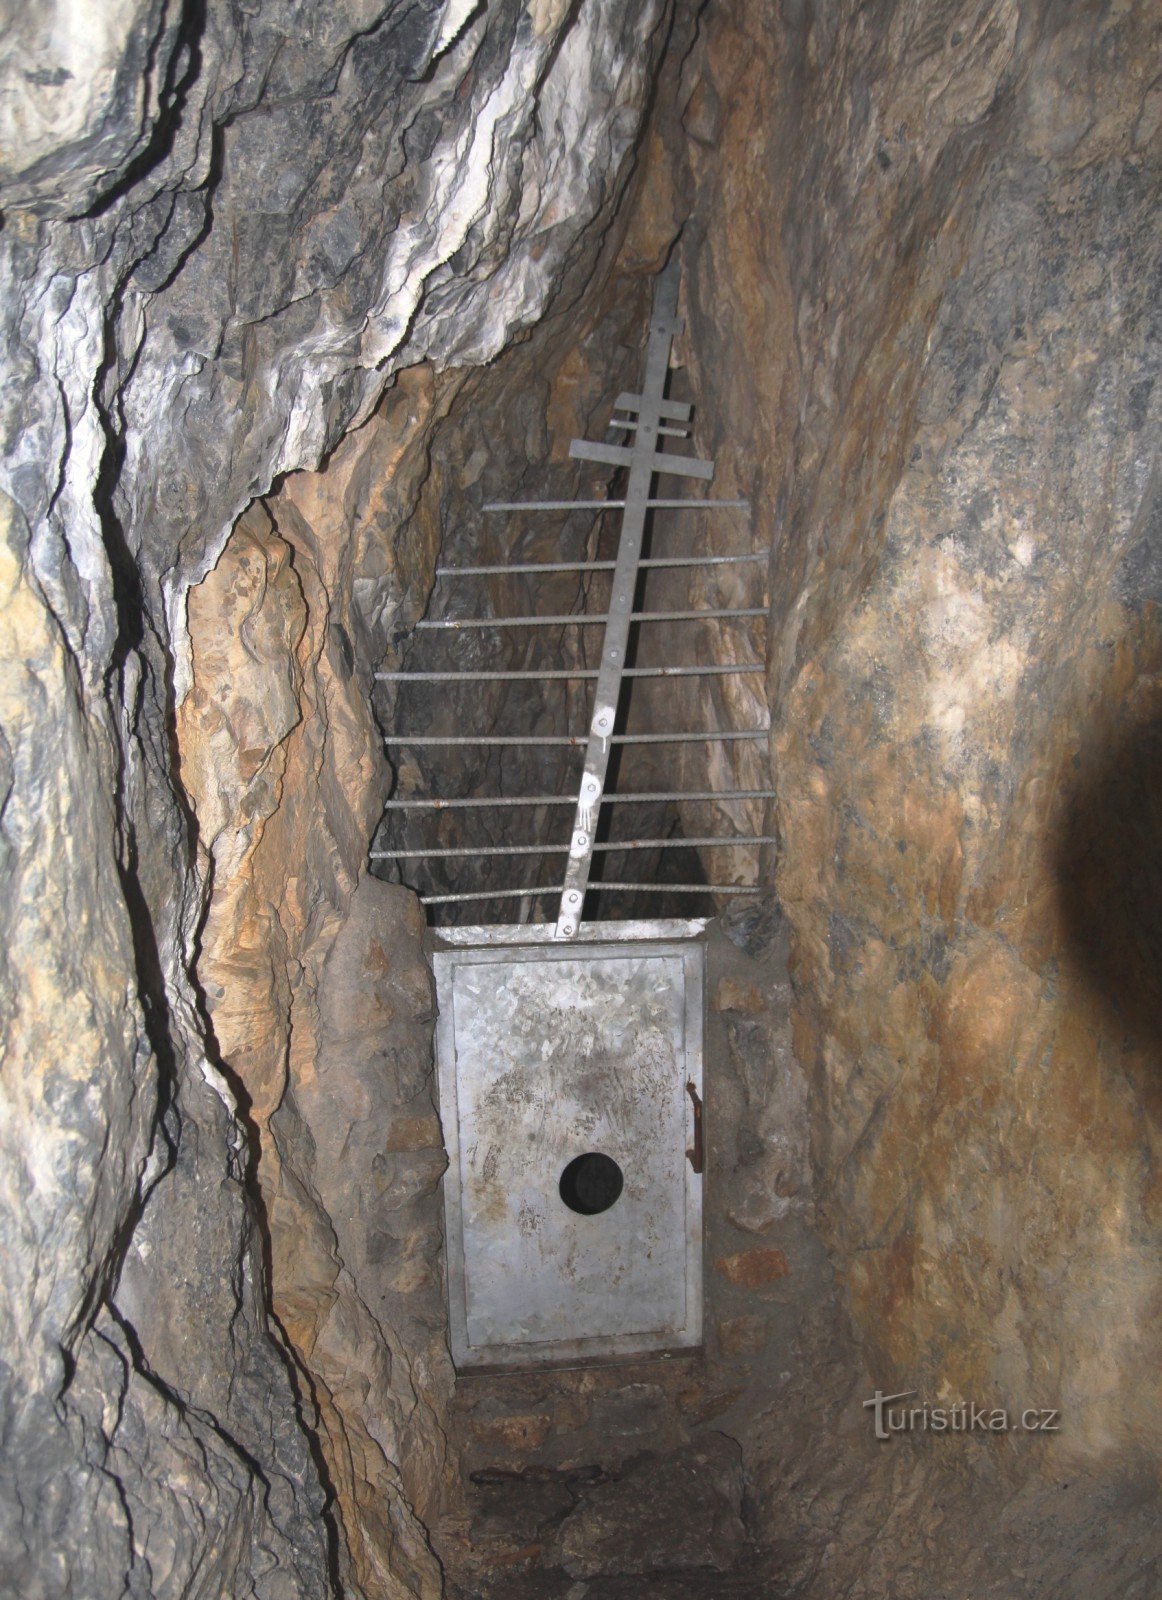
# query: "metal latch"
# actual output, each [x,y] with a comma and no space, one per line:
[695,1156]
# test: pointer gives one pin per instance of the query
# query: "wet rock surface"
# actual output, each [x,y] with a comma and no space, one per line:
[948,252]
[941,700]
[226,229]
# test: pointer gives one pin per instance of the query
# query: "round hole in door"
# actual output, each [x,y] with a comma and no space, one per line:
[591,1183]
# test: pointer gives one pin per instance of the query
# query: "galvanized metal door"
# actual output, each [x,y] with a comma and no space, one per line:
[562,1069]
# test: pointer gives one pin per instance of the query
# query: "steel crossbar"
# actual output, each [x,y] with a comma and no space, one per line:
[742,841]
[584,619]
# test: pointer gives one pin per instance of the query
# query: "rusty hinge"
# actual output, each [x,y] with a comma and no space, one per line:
[695,1156]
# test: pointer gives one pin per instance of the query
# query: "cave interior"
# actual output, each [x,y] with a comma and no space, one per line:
[860,1071]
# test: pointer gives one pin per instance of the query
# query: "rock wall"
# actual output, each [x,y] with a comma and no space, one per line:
[225,231]
[930,284]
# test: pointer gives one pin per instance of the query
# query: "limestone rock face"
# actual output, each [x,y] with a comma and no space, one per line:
[226,228]
[931,293]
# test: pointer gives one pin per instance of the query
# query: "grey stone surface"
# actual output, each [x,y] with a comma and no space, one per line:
[225,228]
[665,1513]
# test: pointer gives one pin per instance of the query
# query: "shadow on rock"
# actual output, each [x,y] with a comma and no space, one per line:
[1109,872]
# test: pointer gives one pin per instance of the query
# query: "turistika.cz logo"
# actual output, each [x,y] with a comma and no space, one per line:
[963,1417]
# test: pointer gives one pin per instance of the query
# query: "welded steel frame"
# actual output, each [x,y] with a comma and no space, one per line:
[649,416]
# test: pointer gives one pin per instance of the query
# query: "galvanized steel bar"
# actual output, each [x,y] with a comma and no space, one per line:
[475,802]
[677,888]
[621,455]
[687,503]
[733,841]
[631,427]
[676,410]
[643,460]
[488,934]
[460,852]
[691,738]
[737,669]
[583,619]
[575,740]
[501,676]
[613,846]
[421,740]
[690,794]
[462,802]
[534,676]
[533,567]
[534,891]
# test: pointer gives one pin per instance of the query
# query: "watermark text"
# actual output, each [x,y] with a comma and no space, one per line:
[965,1416]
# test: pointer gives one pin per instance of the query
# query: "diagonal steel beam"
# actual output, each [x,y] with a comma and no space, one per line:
[643,458]
[677,410]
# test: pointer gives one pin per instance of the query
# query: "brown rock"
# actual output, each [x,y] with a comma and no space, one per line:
[965,639]
[571,1412]
[752,1269]
[414,1133]
[701,1406]
[742,1336]
[513,1433]
[733,994]
[675,1512]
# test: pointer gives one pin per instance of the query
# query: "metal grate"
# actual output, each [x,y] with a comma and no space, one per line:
[649,418]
